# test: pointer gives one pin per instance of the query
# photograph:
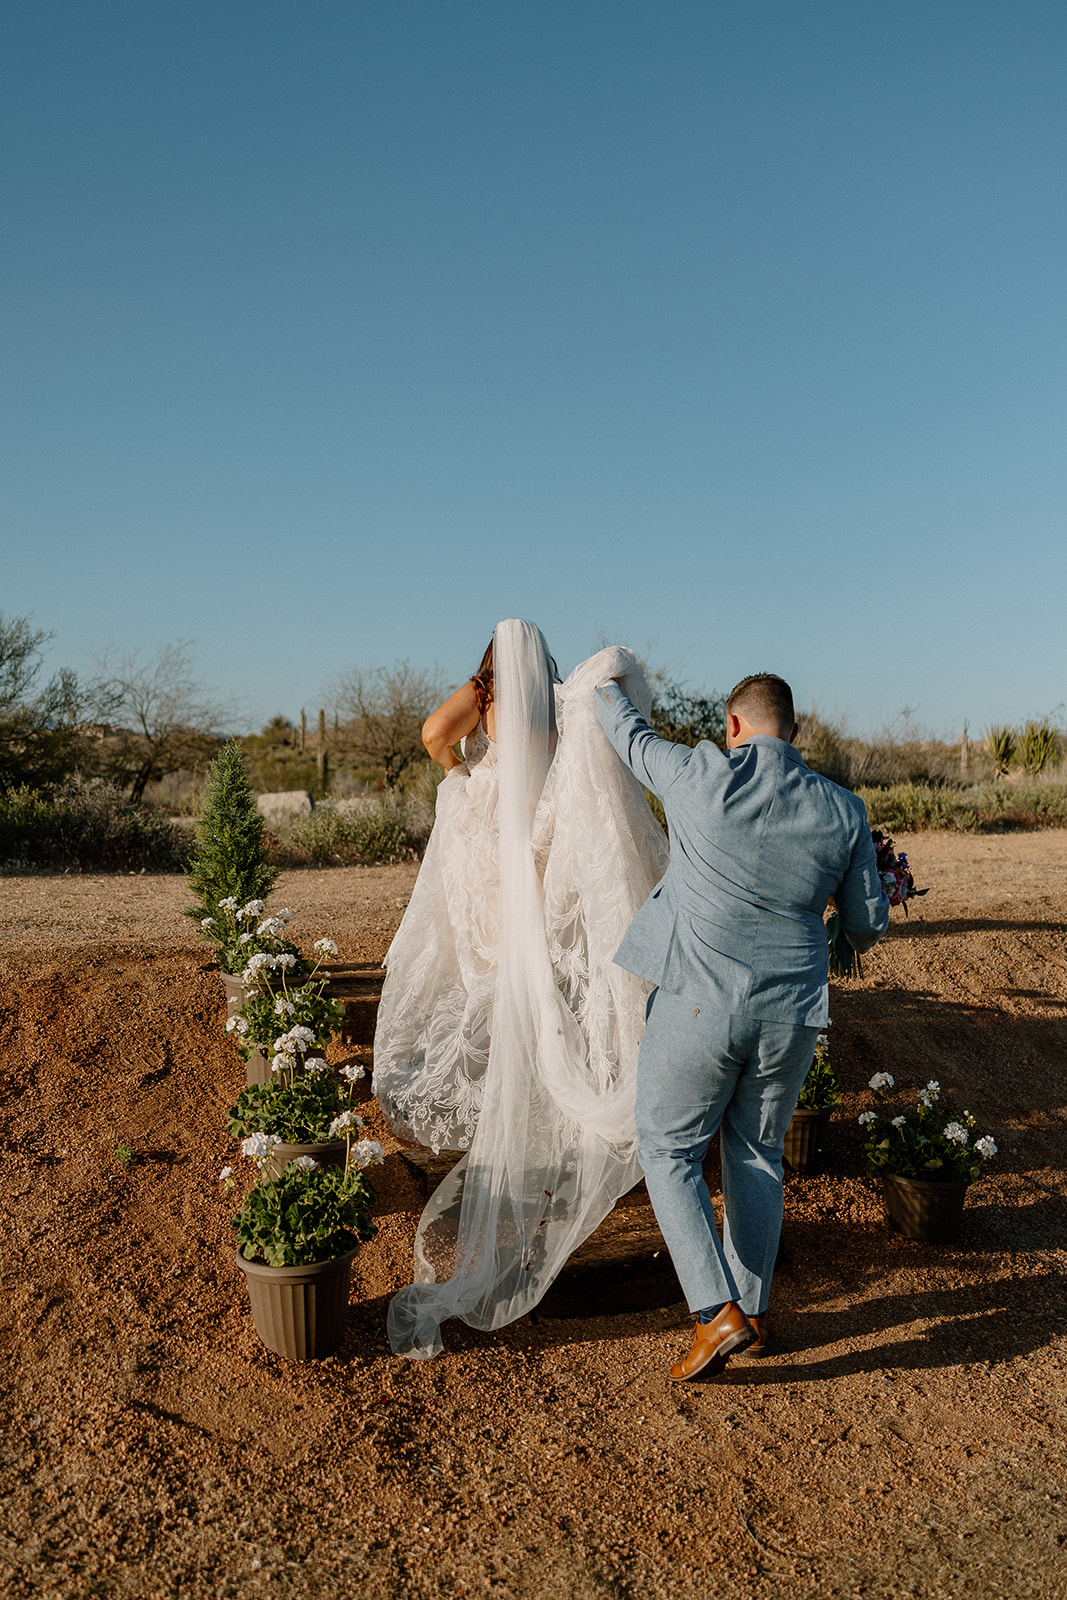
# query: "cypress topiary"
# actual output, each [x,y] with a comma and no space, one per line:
[230,858]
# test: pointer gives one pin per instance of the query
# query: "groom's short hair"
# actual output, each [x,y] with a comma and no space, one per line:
[764,700]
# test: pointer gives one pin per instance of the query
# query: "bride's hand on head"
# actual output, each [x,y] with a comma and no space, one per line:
[451,722]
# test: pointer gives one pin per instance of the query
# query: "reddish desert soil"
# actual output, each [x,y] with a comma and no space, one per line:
[908,1438]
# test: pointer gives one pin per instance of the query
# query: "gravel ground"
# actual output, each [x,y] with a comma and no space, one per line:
[907,1439]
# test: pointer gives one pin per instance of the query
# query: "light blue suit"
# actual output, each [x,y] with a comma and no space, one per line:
[733,938]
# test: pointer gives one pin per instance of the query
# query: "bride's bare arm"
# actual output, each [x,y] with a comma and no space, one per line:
[449,724]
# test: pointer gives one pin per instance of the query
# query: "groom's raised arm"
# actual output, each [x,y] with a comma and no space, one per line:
[655,761]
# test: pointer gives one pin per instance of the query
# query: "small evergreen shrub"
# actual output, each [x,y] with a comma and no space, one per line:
[230,859]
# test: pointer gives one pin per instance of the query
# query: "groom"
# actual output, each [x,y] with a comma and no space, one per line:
[733,939]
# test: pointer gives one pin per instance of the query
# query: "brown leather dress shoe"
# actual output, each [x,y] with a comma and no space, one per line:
[714,1343]
[761,1346]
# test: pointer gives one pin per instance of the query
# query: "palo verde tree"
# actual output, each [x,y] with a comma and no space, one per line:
[166,721]
[43,732]
[686,718]
[384,711]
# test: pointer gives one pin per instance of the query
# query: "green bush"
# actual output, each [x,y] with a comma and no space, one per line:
[913,807]
[988,807]
[358,833]
[85,827]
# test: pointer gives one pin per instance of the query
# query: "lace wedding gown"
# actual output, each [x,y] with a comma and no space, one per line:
[505,1029]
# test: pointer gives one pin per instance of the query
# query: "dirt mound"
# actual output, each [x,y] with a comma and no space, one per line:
[907,1438]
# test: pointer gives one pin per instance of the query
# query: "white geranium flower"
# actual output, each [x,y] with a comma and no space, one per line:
[302,1036]
[325,947]
[353,1073]
[253,908]
[985,1147]
[368,1152]
[229,904]
[867,1116]
[284,915]
[898,1122]
[315,1064]
[344,1121]
[284,1007]
[305,1164]
[227,1172]
[260,1146]
[208,922]
[245,938]
[882,1080]
[272,926]
[956,1133]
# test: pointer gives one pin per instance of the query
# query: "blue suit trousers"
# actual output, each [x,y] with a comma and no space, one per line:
[699,1072]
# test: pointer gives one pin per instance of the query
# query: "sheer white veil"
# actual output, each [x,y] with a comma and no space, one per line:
[554,1145]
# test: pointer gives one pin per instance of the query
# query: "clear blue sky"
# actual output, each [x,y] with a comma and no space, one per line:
[335,331]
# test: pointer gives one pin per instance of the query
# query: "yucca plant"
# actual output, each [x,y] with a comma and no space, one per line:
[1000,742]
[1039,748]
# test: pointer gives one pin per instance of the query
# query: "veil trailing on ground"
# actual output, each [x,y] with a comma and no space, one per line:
[554,1144]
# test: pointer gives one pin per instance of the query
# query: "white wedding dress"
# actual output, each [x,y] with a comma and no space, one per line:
[505,1029]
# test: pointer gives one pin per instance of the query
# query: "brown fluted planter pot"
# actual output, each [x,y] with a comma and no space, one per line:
[329,1154]
[235,992]
[300,1312]
[257,1067]
[932,1212]
[803,1139]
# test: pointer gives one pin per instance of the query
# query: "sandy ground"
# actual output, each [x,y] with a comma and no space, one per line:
[909,1437]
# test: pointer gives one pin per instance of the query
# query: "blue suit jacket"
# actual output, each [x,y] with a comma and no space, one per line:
[758,844]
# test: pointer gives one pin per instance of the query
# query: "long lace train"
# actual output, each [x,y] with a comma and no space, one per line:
[547,1112]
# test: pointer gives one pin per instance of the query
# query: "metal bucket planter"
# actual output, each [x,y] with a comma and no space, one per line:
[300,1312]
[932,1212]
[329,1154]
[803,1139]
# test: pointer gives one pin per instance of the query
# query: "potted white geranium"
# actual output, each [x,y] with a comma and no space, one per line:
[285,1001]
[819,1093]
[304,1110]
[297,1235]
[926,1159]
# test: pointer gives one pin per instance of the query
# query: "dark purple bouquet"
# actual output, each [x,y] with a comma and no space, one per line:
[899,885]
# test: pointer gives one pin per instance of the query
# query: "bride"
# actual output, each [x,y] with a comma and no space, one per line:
[505,1030]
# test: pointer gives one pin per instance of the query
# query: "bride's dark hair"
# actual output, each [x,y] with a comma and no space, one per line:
[483,681]
[483,678]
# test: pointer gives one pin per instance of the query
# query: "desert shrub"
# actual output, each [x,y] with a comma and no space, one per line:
[904,807]
[355,833]
[826,749]
[86,827]
[179,794]
[1022,804]
[988,807]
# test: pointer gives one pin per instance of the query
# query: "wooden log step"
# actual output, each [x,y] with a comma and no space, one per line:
[623,1266]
